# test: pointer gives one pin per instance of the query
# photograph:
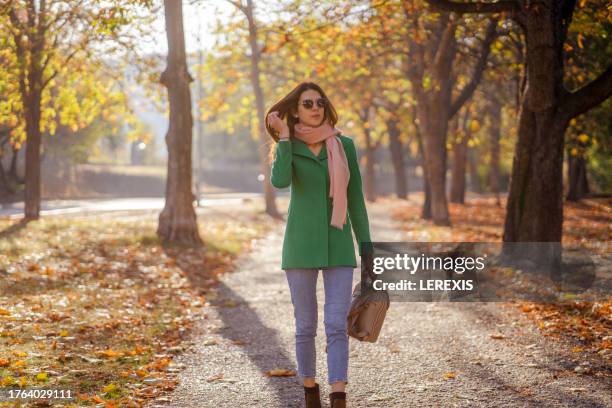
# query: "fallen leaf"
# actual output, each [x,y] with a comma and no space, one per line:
[214,378]
[7,381]
[109,388]
[109,353]
[449,375]
[280,372]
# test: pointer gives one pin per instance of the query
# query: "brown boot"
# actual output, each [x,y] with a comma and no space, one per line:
[312,396]
[337,399]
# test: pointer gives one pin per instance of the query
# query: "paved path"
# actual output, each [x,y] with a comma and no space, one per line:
[249,330]
[84,207]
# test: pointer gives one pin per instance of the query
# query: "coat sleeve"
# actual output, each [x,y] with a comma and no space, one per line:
[281,167]
[356,203]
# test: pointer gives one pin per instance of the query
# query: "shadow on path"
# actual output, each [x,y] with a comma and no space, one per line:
[550,361]
[260,343]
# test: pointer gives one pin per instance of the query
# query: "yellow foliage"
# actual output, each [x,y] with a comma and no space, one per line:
[474,126]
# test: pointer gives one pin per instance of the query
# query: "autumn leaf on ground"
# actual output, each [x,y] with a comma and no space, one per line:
[19,363]
[450,375]
[7,381]
[142,373]
[109,388]
[214,377]
[280,372]
[109,353]
[118,337]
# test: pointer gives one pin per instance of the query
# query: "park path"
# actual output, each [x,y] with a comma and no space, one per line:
[249,327]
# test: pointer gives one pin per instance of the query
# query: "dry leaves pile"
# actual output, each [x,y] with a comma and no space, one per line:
[100,308]
[587,224]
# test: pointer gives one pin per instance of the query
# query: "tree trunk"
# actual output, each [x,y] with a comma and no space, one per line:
[4,184]
[494,136]
[438,109]
[397,157]
[177,221]
[270,195]
[32,158]
[460,146]
[426,210]
[534,206]
[577,177]
[13,167]
[535,201]
[370,175]
[475,184]
[435,106]
[435,152]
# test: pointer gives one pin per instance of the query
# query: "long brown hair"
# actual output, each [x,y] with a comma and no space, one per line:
[288,106]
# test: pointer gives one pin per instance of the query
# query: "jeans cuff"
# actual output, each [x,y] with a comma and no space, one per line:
[333,380]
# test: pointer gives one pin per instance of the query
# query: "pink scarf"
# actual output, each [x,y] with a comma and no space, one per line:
[337,164]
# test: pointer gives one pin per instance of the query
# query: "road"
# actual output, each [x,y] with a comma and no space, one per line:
[121,205]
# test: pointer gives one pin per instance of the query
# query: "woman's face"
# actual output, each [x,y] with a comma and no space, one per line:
[314,116]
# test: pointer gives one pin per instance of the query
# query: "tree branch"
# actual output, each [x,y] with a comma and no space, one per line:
[468,90]
[238,5]
[587,97]
[476,7]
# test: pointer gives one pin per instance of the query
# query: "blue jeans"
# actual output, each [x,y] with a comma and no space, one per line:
[338,282]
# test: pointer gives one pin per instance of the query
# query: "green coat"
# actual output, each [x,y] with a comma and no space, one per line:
[310,240]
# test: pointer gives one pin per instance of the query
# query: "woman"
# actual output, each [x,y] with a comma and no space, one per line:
[322,169]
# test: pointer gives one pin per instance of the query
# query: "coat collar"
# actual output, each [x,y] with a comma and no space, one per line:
[299,147]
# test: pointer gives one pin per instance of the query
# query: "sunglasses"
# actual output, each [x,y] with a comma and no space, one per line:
[309,103]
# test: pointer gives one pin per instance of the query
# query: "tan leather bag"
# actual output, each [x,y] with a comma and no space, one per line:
[367,314]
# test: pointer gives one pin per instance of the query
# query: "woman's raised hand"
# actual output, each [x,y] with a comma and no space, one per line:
[278,124]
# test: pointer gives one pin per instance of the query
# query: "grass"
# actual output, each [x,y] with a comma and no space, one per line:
[100,307]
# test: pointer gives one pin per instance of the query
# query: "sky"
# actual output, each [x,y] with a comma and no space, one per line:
[198,18]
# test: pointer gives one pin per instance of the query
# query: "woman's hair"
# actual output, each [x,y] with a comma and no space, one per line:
[288,106]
